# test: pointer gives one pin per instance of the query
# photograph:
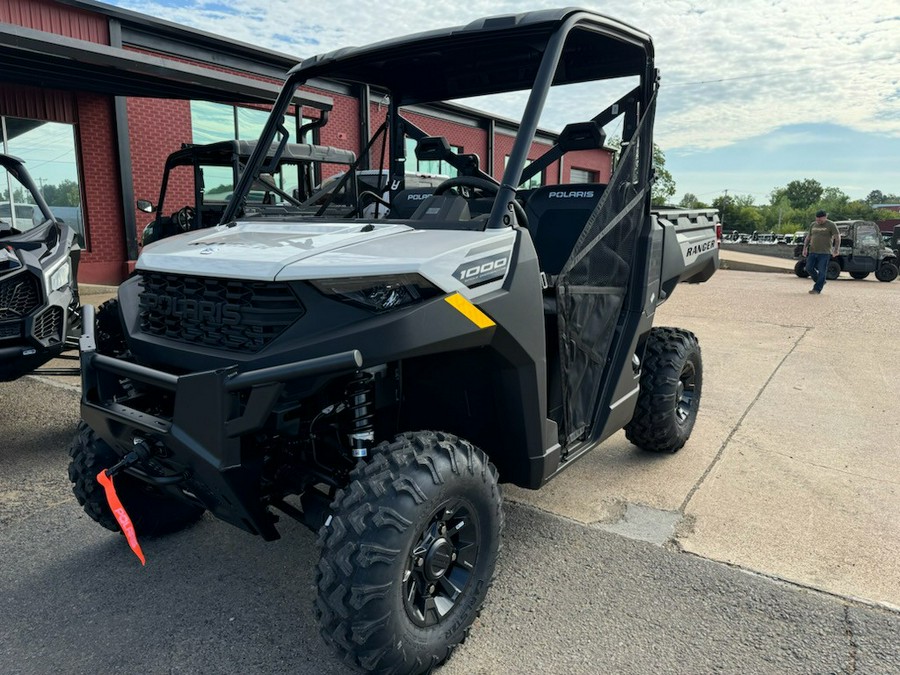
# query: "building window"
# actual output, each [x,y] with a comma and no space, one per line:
[533,182]
[435,166]
[48,150]
[211,122]
[583,176]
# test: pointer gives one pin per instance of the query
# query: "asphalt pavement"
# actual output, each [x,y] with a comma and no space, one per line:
[767,545]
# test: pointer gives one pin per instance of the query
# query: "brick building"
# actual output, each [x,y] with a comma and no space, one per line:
[94,98]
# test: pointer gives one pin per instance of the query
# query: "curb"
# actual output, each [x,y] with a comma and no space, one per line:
[740,266]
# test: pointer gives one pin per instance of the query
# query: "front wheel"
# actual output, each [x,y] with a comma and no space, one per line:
[408,553]
[671,381]
[886,272]
[151,511]
[109,335]
[833,270]
[800,269]
[859,275]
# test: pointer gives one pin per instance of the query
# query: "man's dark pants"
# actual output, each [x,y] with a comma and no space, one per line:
[817,266]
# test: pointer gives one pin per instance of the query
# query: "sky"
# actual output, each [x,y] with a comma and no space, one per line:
[754,93]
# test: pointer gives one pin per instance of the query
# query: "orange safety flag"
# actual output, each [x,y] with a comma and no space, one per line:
[121,515]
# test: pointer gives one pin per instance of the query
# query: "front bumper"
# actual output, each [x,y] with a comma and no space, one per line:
[34,327]
[196,454]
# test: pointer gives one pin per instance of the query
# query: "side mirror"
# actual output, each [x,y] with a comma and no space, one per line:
[145,206]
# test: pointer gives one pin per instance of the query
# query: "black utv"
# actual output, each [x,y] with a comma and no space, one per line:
[377,378]
[39,307]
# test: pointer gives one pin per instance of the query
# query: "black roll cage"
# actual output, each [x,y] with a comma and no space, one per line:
[526,51]
[16,167]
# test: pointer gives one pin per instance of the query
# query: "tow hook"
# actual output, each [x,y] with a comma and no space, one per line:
[140,453]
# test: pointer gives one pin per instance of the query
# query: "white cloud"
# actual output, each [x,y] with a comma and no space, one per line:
[730,71]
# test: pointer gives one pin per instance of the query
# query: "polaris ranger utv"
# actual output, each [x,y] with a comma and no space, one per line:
[39,307]
[376,378]
[214,171]
[294,179]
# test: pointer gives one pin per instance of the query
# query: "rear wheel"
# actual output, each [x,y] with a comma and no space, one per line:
[800,269]
[886,272]
[833,270]
[151,511]
[409,553]
[671,382]
[859,275]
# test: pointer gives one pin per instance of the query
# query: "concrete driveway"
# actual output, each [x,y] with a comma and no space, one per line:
[790,479]
[793,470]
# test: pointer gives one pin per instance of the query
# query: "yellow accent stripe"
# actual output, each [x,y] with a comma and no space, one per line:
[470,311]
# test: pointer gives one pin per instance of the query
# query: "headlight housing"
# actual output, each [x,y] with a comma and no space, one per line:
[8,260]
[379,294]
[59,277]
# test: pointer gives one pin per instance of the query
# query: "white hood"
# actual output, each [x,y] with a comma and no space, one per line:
[267,251]
[251,250]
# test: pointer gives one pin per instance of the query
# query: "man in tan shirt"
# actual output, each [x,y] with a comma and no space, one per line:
[821,245]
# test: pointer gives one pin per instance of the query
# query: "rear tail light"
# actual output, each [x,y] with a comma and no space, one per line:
[718,234]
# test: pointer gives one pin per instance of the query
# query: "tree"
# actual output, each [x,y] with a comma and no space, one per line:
[875,197]
[801,194]
[738,213]
[664,186]
[64,194]
[664,183]
[690,201]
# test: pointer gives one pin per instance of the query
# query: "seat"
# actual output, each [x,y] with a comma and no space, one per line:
[443,208]
[557,215]
[406,202]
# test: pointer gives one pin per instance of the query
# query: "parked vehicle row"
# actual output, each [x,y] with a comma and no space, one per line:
[762,238]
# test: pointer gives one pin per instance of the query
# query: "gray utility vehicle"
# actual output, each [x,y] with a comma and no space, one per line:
[211,171]
[862,251]
[377,378]
[39,309]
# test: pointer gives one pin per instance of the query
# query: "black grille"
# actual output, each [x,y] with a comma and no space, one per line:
[48,326]
[10,330]
[219,313]
[19,295]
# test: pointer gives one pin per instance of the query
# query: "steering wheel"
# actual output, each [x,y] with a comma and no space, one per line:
[184,218]
[366,199]
[486,187]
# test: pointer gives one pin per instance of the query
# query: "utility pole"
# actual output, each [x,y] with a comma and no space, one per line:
[724,204]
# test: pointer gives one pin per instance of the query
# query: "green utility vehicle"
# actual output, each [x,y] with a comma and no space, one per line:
[862,251]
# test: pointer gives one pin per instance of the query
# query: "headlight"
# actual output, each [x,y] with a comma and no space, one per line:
[379,294]
[59,277]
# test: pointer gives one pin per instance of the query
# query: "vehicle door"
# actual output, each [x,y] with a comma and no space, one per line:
[867,246]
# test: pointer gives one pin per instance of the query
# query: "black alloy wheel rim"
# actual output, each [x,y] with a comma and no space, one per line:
[441,563]
[685,392]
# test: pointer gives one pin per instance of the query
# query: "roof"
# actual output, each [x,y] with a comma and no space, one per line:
[36,58]
[492,55]
[223,152]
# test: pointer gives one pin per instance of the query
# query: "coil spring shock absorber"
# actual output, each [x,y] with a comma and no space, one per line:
[360,396]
